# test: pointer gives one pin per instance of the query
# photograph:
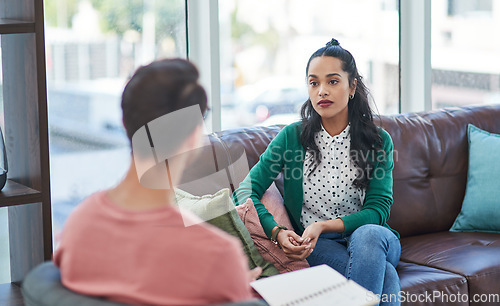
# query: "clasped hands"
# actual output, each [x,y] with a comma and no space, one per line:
[298,247]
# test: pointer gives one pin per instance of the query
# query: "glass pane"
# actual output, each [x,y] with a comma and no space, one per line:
[4,246]
[465,65]
[265,46]
[92,48]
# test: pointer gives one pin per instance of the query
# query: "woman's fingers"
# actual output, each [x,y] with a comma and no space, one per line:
[293,246]
[296,237]
[302,256]
[291,249]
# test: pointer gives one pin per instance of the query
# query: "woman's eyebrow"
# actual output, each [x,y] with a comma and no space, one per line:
[328,75]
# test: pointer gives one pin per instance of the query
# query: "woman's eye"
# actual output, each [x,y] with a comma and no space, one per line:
[334,82]
[313,83]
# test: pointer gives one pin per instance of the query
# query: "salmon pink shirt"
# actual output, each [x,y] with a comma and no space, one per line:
[149,257]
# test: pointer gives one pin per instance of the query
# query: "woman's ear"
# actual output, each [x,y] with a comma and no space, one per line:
[353,86]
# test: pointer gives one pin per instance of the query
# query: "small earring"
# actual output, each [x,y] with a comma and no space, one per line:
[351,97]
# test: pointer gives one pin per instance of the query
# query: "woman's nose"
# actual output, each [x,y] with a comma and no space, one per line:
[322,92]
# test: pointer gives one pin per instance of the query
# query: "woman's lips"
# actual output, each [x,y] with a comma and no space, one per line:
[325,103]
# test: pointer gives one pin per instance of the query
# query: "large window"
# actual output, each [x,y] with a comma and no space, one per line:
[465,52]
[265,46]
[93,46]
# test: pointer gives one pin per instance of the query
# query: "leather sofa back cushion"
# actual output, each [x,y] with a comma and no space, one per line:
[431,161]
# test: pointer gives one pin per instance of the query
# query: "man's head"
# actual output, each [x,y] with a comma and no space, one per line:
[163,107]
[160,88]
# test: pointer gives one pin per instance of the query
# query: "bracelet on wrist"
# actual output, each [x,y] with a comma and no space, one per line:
[274,235]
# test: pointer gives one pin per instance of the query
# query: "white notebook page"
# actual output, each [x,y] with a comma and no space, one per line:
[319,285]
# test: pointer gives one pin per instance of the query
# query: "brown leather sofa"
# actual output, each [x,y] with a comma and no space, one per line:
[437,267]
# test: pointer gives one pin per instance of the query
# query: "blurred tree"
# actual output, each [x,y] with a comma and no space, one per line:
[120,16]
[58,13]
[243,33]
[239,29]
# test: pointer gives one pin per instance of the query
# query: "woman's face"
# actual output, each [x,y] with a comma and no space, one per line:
[329,88]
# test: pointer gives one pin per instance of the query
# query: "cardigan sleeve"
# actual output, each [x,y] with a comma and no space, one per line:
[378,198]
[261,176]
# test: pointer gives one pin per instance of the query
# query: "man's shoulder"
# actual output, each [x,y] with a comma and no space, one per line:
[87,206]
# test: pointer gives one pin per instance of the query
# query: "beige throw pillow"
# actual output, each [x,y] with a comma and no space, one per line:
[218,210]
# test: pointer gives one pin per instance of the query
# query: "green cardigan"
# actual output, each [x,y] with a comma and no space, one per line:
[286,153]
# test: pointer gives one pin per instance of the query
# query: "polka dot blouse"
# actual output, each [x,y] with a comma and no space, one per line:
[328,192]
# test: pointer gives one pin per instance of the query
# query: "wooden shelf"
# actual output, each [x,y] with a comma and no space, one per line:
[10,26]
[24,94]
[10,295]
[17,194]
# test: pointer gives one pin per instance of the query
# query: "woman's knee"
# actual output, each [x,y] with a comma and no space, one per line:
[371,233]
[375,239]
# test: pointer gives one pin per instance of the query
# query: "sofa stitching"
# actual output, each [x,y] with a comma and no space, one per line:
[481,275]
[453,272]
[462,280]
[440,285]
[430,266]
[438,288]
[442,252]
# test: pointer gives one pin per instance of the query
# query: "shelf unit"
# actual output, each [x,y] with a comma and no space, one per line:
[12,26]
[26,195]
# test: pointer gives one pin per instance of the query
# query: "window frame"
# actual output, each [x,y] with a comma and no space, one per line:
[415,56]
[203,49]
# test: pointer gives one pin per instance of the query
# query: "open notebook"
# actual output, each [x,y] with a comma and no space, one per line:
[319,285]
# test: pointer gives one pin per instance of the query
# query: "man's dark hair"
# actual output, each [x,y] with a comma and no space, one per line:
[162,87]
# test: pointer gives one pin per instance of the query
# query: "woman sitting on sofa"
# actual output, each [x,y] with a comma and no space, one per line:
[130,244]
[337,168]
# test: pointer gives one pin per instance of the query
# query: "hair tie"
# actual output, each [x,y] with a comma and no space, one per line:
[333,42]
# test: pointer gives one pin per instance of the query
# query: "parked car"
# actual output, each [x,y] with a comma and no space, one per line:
[256,103]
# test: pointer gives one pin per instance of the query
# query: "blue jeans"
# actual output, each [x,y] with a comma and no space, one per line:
[368,256]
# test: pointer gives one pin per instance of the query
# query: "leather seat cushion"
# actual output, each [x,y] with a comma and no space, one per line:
[472,255]
[419,283]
